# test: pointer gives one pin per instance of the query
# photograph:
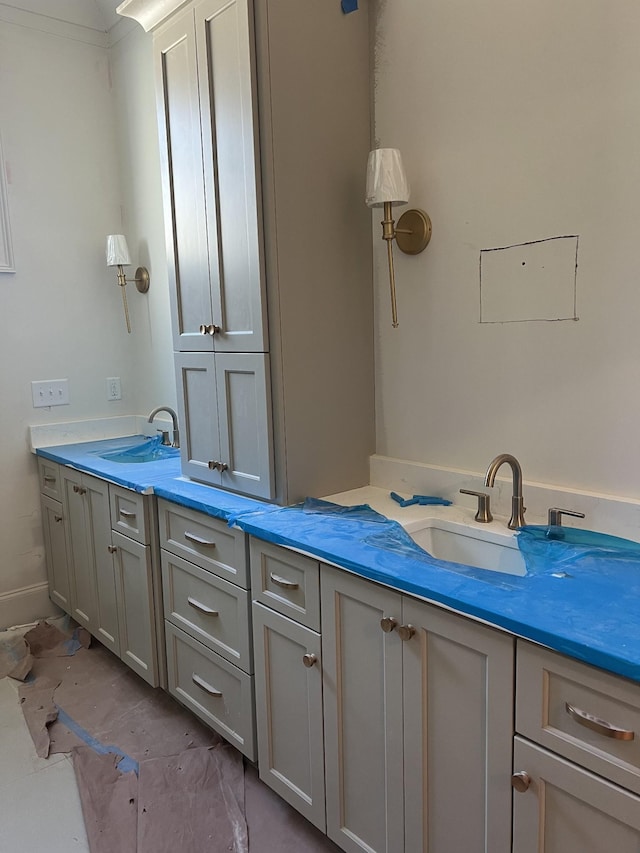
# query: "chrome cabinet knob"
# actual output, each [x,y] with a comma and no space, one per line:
[406,632]
[520,781]
[209,329]
[388,623]
[309,660]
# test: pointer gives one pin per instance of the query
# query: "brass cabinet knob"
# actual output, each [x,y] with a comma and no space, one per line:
[406,632]
[388,623]
[309,660]
[214,465]
[111,549]
[57,518]
[520,781]
[209,329]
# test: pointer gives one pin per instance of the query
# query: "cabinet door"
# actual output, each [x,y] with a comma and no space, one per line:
[568,810]
[98,531]
[81,570]
[182,183]
[231,173]
[56,552]
[198,415]
[289,711]
[363,714]
[244,413]
[458,730]
[134,585]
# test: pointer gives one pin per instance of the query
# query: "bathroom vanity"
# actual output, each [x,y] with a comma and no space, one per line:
[397,704]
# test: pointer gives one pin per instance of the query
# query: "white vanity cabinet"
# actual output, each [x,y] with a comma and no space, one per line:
[418,723]
[288,663]
[207,621]
[99,541]
[55,544]
[576,758]
[88,534]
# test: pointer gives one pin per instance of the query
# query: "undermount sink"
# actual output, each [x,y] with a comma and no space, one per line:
[461,543]
[146,451]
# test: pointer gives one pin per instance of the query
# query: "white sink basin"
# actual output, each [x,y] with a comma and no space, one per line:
[471,546]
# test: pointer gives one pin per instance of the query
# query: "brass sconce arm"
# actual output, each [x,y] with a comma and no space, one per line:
[412,236]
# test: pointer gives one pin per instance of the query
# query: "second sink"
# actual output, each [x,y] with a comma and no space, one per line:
[461,543]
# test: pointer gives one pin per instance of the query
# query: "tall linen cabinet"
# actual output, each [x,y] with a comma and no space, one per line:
[264,124]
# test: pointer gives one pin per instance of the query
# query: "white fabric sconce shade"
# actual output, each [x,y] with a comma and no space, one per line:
[117,251]
[386,178]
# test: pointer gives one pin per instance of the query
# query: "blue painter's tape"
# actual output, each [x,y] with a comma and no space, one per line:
[349,6]
[125,764]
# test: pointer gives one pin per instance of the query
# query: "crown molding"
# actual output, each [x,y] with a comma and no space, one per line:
[149,13]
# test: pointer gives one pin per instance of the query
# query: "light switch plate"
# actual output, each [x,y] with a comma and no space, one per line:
[50,392]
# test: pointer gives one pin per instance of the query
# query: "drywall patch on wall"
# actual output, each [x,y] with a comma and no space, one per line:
[529,281]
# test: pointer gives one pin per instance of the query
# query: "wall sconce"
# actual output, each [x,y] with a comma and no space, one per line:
[387,186]
[118,256]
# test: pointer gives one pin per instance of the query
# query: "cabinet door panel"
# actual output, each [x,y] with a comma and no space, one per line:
[183,190]
[289,712]
[229,119]
[83,586]
[98,529]
[244,410]
[198,415]
[458,712]
[363,715]
[133,572]
[569,810]
[56,552]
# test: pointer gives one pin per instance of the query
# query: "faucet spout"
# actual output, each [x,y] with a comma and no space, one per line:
[174,422]
[517,501]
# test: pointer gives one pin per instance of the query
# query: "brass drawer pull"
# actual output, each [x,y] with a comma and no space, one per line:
[598,725]
[126,514]
[48,479]
[204,686]
[202,607]
[206,543]
[283,582]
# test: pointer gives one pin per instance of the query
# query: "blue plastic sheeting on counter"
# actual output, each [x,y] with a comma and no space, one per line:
[86,456]
[214,502]
[592,615]
[550,549]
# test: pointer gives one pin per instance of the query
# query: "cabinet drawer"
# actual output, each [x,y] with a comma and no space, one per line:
[214,689]
[287,582]
[129,513]
[582,713]
[208,608]
[208,542]
[49,478]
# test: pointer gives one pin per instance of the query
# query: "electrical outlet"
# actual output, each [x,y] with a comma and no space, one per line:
[114,391]
[50,392]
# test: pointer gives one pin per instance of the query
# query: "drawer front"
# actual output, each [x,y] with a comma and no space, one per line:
[208,542]
[129,514]
[215,690]
[287,582]
[50,479]
[582,713]
[208,608]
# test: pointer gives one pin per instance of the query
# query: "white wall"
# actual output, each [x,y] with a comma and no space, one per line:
[518,122]
[60,313]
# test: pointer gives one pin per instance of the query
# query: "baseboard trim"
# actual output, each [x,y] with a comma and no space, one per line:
[26,605]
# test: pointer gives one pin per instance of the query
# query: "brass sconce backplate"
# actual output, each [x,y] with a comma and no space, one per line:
[413,231]
[142,279]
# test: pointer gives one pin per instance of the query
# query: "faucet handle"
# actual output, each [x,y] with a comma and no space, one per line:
[483,514]
[165,437]
[555,515]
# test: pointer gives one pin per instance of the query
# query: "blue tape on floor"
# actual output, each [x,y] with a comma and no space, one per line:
[125,764]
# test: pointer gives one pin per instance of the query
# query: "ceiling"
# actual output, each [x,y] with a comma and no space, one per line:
[94,14]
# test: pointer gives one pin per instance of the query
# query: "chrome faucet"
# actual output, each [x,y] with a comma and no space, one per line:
[517,501]
[174,419]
